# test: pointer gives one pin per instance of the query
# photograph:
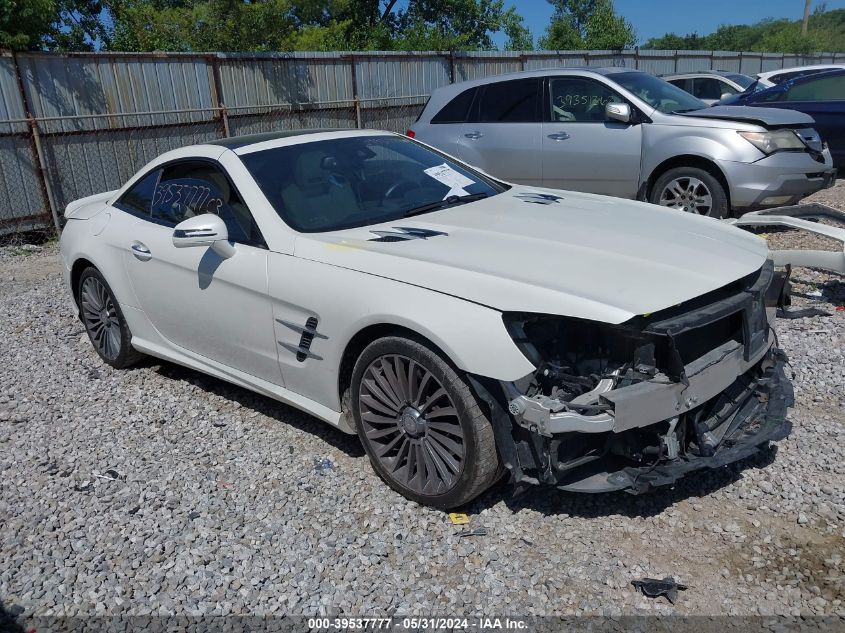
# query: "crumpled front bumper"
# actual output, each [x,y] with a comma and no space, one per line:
[758,419]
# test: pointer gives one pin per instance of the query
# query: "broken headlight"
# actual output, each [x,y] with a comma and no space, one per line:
[574,357]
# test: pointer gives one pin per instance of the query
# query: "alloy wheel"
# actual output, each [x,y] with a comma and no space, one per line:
[687,194]
[411,424]
[100,315]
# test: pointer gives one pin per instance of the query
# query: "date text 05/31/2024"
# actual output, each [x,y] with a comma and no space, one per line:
[417,624]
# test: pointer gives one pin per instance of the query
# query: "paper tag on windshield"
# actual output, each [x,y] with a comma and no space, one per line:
[451,178]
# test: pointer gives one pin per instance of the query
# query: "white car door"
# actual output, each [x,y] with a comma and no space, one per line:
[582,150]
[198,301]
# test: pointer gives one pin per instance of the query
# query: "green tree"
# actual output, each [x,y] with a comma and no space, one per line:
[826,33]
[587,24]
[51,24]
[265,25]
[457,24]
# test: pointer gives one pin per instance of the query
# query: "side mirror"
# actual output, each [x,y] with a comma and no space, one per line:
[204,230]
[618,112]
[724,96]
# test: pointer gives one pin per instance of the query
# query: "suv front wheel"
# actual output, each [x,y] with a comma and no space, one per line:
[692,190]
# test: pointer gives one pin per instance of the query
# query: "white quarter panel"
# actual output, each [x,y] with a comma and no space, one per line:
[345,302]
[196,300]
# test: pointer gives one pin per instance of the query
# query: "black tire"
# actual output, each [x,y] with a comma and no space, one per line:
[429,430]
[115,350]
[660,194]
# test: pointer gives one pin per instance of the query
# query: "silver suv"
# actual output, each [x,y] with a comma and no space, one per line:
[627,133]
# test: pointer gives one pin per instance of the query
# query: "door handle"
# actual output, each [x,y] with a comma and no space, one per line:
[559,136]
[140,251]
[473,135]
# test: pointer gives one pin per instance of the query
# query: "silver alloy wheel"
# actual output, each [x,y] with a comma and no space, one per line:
[412,424]
[100,315]
[687,194]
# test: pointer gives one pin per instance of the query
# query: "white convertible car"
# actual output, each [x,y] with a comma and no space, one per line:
[464,327]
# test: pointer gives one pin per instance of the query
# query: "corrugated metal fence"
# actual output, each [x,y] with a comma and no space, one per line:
[76,124]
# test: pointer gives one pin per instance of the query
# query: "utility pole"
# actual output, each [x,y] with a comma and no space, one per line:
[806,17]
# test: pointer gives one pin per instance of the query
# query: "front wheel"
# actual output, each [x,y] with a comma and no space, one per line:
[692,190]
[103,320]
[420,424]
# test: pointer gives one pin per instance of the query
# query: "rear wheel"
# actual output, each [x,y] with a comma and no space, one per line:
[104,322]
[420,424]
[692,190]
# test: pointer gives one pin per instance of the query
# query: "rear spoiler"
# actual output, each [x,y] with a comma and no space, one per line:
[805,217]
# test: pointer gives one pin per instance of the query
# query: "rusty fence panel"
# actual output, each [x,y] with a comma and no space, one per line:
[76,124]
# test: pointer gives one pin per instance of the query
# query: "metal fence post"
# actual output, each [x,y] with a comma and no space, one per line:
[46,189]
[217,95]
[358,118]
[451,67]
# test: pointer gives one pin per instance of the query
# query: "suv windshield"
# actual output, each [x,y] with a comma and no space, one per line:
[657,93]
[361,180]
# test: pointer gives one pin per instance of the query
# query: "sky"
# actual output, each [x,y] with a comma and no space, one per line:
[652,18]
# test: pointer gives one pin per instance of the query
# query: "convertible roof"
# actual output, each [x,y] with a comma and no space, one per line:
[236,142]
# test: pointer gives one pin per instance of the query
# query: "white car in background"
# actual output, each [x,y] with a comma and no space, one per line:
[775,77]
[710,86]
[464,327]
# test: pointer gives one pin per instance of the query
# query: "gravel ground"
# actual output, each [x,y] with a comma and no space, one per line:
[160,490]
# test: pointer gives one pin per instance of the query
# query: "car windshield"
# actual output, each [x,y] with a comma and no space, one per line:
[657,93]
[361,180]
[743,81]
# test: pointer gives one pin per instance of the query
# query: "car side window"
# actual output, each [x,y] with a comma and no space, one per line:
[457,109]
[821,89]
[514,101]
[191,188]
[139,199]
[710,88]
[580,100]
[683,84]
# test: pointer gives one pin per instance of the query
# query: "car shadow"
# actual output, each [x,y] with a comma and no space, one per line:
[254,402]
[544,499]
[832,291]
[9,618]
[552,502]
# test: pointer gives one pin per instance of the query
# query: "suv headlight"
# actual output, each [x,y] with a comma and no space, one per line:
[775,141]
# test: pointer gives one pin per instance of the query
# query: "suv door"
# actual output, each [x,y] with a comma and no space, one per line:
[199,302]
[502,136]
[583,151]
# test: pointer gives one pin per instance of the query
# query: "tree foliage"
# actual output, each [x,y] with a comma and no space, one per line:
[826,33]
[51,24]
[587,24]
[266,25]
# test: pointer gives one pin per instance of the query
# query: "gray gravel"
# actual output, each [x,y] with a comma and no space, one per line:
[159,490]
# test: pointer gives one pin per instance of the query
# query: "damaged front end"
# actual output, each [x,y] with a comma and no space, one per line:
[640,404]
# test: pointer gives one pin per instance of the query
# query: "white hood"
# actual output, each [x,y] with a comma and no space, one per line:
[587,256]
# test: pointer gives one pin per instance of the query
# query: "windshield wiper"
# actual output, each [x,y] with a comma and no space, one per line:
[685,110]
[442,204]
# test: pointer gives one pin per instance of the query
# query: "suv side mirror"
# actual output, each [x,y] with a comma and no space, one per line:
[618,112]
[204,230]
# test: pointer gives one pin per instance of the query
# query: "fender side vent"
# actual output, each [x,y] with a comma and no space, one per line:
[306,339]
[307,334]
